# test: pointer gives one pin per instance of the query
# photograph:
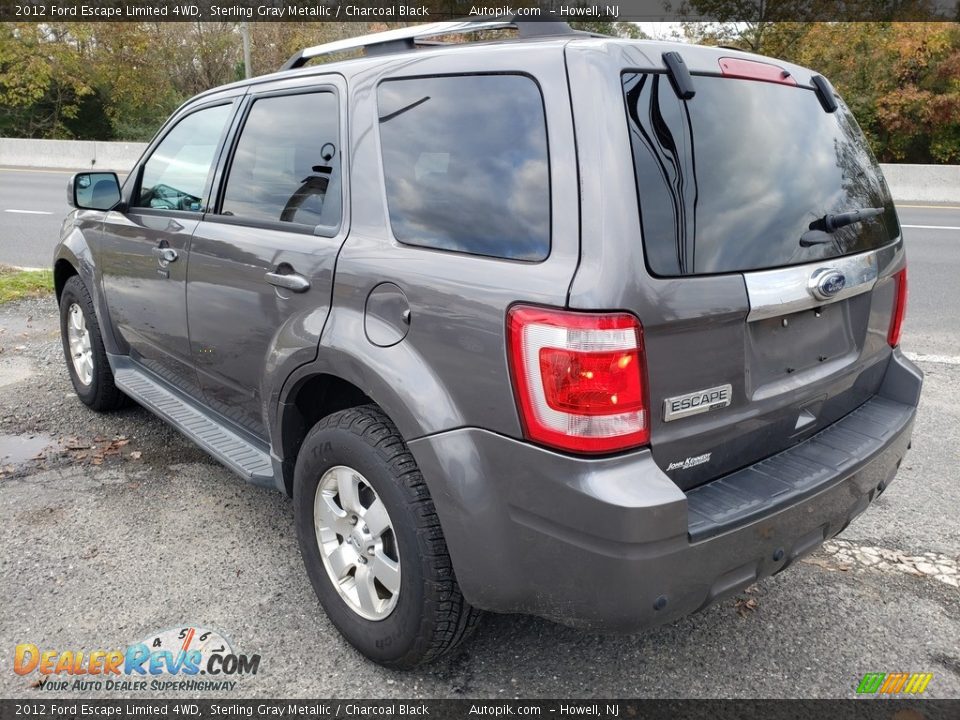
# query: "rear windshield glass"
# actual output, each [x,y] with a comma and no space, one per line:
[733,178]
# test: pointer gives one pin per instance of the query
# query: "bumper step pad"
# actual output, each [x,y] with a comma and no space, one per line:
[789,476]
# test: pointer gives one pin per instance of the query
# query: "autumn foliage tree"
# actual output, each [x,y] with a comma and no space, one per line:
[121,80]
[43,82]
[900,79]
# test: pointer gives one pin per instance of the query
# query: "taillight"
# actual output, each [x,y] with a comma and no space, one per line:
[899,308]
[579,378]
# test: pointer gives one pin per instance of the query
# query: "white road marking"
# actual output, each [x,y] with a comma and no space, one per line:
[29,212]
[931,227]
[942,359]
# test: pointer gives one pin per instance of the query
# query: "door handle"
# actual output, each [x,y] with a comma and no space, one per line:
[165,254]
[291,281]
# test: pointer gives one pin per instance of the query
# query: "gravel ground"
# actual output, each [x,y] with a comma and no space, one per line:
[123,528]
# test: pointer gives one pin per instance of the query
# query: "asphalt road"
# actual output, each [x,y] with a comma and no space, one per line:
[33,203]
[125,528]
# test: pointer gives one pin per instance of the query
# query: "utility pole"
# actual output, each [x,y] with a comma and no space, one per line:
[245,34]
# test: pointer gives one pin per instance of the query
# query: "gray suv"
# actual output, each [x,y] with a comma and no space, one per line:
[593,329]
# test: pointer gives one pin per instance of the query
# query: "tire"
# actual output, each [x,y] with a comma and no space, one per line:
[97,390]
[429,616]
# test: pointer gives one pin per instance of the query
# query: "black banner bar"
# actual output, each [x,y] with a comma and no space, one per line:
[443,10]
[190,709]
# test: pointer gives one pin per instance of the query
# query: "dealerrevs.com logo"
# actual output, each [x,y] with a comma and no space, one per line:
[183,658]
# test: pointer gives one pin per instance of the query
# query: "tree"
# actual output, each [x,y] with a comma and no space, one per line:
[42,79]
[122,80]
[615,29]
[901,80]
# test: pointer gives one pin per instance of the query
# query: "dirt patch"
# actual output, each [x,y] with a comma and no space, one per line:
[42,516]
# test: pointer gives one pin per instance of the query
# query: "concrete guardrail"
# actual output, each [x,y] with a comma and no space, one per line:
[923,183]
[70,154]
[908,183]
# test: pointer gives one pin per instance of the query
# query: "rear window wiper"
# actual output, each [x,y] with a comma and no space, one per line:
[821,228]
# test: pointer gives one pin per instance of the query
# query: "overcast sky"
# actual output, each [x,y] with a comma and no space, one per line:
[660,30]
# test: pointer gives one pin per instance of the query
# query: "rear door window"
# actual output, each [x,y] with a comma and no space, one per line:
[286,165]
[731,179]
[465,164]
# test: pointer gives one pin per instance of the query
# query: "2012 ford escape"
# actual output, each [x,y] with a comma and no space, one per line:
[593,329]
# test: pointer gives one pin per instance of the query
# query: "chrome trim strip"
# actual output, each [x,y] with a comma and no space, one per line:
[773,293]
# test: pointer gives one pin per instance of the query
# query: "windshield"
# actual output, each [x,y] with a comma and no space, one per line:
[733,178]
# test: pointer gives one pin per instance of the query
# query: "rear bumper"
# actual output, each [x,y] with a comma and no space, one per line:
[613,543]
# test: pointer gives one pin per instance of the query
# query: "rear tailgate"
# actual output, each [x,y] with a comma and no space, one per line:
[765,311]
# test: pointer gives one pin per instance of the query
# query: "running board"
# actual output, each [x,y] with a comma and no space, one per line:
[248,459]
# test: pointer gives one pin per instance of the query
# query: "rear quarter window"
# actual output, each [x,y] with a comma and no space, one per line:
[465,164]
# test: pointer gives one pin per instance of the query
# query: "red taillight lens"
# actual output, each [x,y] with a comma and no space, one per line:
[899,308]
[591,383]
[579,378]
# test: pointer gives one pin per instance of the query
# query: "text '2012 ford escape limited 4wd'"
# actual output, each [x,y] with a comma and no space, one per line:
[594,329]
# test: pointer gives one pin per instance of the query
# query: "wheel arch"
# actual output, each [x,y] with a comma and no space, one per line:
[63,270]
[73,256]
[348,371]
[310,399]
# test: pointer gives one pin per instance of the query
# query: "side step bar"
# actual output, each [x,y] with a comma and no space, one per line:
[247,458]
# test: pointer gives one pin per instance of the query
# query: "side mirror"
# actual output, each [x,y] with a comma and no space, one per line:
[93,190]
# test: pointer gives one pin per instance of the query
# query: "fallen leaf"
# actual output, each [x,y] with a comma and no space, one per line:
[745,607]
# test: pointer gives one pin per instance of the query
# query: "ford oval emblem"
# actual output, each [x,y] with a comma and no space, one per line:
[827,284]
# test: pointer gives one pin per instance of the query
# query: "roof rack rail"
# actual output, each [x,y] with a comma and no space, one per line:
[407,38]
